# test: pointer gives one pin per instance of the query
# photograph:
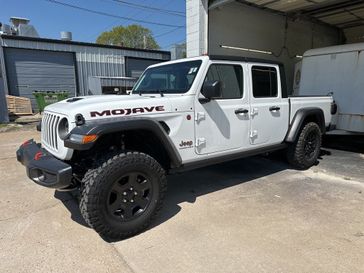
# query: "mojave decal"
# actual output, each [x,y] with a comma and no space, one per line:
[127,111]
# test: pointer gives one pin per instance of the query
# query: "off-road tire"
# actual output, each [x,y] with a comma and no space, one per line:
[297,155]
[99,181]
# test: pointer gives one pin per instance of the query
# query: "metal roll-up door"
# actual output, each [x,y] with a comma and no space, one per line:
[136,66]
[30,70]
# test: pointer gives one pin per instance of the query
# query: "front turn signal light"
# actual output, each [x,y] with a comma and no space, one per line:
[82,139]
[89,138]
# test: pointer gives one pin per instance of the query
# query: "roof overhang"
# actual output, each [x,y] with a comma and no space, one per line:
[342,14]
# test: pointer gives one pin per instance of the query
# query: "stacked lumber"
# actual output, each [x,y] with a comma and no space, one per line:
[19,105]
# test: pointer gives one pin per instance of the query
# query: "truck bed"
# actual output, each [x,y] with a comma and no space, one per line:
[322,102]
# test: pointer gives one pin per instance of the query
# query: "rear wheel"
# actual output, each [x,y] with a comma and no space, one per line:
[123,195]
[303,153]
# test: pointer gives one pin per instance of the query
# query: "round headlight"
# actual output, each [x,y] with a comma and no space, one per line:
[63,128]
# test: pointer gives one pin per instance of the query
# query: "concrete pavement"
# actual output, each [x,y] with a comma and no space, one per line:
[250,215]
[37,232]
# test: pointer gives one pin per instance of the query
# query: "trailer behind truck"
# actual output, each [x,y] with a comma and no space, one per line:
[336,70]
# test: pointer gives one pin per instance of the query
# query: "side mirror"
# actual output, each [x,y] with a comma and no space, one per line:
[211,90]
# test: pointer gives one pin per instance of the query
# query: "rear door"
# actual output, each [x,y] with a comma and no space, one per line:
[221,124]
[269,111]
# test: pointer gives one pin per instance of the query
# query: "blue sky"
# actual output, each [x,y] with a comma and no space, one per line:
[51,18]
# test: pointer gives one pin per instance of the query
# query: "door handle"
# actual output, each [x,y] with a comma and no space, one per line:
[241,111]
[274,108]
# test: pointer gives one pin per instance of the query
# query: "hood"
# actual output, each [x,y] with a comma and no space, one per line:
[106,106]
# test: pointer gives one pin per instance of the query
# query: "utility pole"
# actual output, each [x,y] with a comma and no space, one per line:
[145,41]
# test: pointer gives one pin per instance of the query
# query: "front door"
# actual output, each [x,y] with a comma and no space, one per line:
[269,111]
[223,123]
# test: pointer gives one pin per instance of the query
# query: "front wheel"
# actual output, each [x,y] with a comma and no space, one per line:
[303,153]
[123,194]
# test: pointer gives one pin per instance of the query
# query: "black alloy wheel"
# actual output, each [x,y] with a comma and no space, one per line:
[310,145]
[123,194]
[130,196]
[304,152]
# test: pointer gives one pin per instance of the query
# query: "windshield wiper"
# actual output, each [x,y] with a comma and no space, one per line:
[161,92]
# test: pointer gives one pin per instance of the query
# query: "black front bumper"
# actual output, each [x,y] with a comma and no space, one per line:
[42,167]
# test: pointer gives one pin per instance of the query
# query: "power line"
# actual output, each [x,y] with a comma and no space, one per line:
[160,10]
[103,29]
[167,32]
[111,15]
[112,24]
[168,3]
[177,42]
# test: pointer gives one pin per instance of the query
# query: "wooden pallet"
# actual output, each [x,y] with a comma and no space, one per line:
[19,105]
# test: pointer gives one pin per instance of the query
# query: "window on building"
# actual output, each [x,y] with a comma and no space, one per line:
[264,82]
[231,78]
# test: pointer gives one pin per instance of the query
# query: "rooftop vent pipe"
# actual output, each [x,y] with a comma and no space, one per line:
[66,36]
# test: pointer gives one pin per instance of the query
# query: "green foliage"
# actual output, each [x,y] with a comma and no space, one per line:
[134,36]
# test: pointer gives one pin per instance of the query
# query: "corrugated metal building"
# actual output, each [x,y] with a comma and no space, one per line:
[28,64]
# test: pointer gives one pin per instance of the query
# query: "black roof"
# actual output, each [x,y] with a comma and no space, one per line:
[243,59]
[55,41]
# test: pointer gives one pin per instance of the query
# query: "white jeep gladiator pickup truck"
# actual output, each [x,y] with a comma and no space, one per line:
[117,150]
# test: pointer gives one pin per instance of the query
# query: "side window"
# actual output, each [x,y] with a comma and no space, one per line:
[264,82]
[231,78]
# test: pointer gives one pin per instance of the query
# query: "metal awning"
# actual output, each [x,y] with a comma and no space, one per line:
[342,14]
[339,13]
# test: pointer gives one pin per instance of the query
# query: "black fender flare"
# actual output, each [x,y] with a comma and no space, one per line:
[300,117]
[102,127]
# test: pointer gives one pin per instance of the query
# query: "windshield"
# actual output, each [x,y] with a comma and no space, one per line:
[172,78]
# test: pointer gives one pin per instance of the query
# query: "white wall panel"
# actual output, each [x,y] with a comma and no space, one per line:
[239,25]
